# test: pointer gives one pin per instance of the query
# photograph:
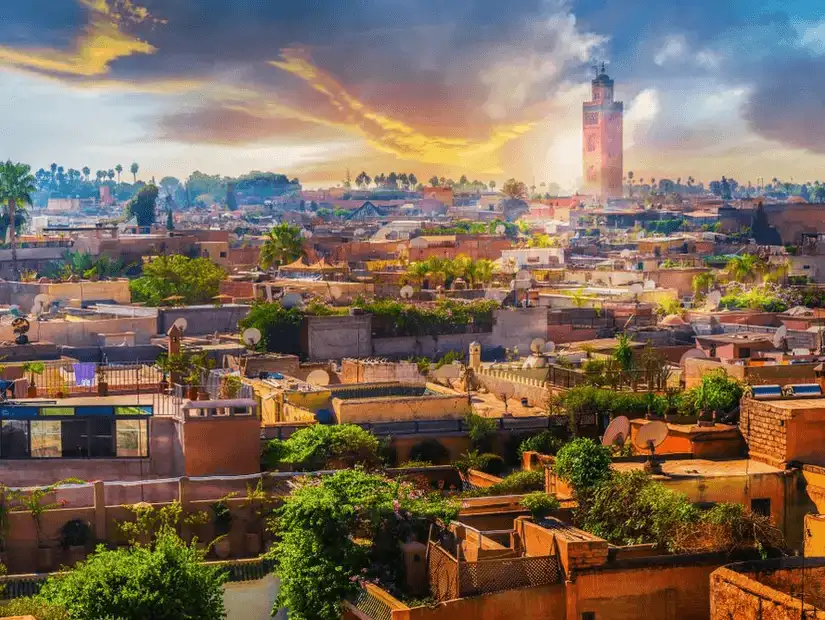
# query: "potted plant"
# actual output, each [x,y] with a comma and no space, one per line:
[34,502]
[74,538]
[256,502]
[33,368]
[230,387]
[222,522]
[200,362]
[102,383]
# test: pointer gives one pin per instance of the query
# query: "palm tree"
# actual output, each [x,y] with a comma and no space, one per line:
[702,283]
[514,190]
[134,170]
[16,187]
[86,172]
[743,267]
[283,245]
[418,271]
[480,271]
[111,174]
[118,169]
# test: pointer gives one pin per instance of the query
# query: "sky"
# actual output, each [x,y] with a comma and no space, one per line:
[484,88]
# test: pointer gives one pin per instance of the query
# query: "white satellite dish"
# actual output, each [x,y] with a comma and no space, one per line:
[407,291]
[251,336]
[42,299]
[524,275]
[550,347]
[714,298]
[318,377]
[419,242]
[651,436]
[693,354]
[537,345]
[780,336]
[306,234]
[359,232]
[335,292]
[292,300]
[649,285]
[181,324]
[448,371]
[626,253]
[500,229]
[36,310]
[617,432]
[636,289]
[505,391]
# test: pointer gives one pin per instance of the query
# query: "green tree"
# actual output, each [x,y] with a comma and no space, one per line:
[743,267]
[702,283]
[170,222]
[514,190]
[86,172]
[166,581]
[142,206]
[323,446]
[283,245]
[433,181]
[118,169]
[195,279]
[134,170]
[17,185]
[583,464]
[279,326]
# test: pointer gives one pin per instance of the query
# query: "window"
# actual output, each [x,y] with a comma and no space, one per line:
[74,435]
[761,506]
[592,142]
[132,438]
[588,615]
[101,438]
[14,439]
[222,254]
[591,118]
[744,352]
[46,439]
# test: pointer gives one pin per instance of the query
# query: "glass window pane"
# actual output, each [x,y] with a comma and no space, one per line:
[102,437]
[50,411]
[46,439]
[132,438]
[136,410]
[14,439]
[75,437]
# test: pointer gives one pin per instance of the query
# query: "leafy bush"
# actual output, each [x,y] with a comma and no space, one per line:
[167,581]
[480,430]
[487,463]
[280,327]
[342,529]
[317,446]
[447,316]
[430,450]
[543,443]
[37,608]
[195,279]
[716,392]
[517,483]
[583,464]
[540,504]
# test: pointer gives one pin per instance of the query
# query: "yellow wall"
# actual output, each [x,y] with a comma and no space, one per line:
[116,290]
[396,409]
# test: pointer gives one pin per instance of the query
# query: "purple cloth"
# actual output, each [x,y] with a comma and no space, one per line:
[84,374]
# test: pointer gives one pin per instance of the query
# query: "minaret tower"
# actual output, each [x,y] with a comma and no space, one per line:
[602,133]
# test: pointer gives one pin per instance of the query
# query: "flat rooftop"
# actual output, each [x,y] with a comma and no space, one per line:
[791,404]
[704,468]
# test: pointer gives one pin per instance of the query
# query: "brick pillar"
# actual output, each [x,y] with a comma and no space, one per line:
[183,498]
[571,600]
[100,511]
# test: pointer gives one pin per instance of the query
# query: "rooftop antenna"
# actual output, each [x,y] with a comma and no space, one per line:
[651,436]
[617,432]
[318,377]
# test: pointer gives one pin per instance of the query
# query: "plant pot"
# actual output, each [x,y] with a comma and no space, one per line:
[102,388]
[45,559]
[222,547]
[163,386]
[252,541]
[203,395]
[192,393]
[60,394]
[76,554]
[32,391]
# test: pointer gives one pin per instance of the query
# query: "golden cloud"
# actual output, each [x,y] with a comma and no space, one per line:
[394,136]
[101,43]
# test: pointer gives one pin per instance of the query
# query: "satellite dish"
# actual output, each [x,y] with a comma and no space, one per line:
[335,292]
[625,253]
[181,324]
[637,289]
[448,371]
[651,436]
[407,291]
[359,232]
[251,336]
[779,337]
[649,285]
[524,275]
[550,347]
[36,309]
[42,299]
[617,432]
[693,354]
[714,298]
[500,229]
[505,391]
[306,234]
[291,300]
[318,377]
[537,345]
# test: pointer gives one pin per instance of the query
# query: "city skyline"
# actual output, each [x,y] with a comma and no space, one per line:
[714,89]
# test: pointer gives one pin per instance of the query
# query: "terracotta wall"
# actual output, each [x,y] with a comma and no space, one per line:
[737,595]
[222,445]
[540,603]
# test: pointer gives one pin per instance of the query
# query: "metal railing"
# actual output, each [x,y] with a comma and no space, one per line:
[70,379]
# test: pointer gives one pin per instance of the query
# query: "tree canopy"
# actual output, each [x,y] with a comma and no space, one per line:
[142,206]
[196,280]
[283,245]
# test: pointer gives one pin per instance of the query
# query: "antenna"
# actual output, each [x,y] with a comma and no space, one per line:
[407,291]
[651,436]
[779,338]
[318,377]
[617,432]
[251,336]
[181,324]
[537,346]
